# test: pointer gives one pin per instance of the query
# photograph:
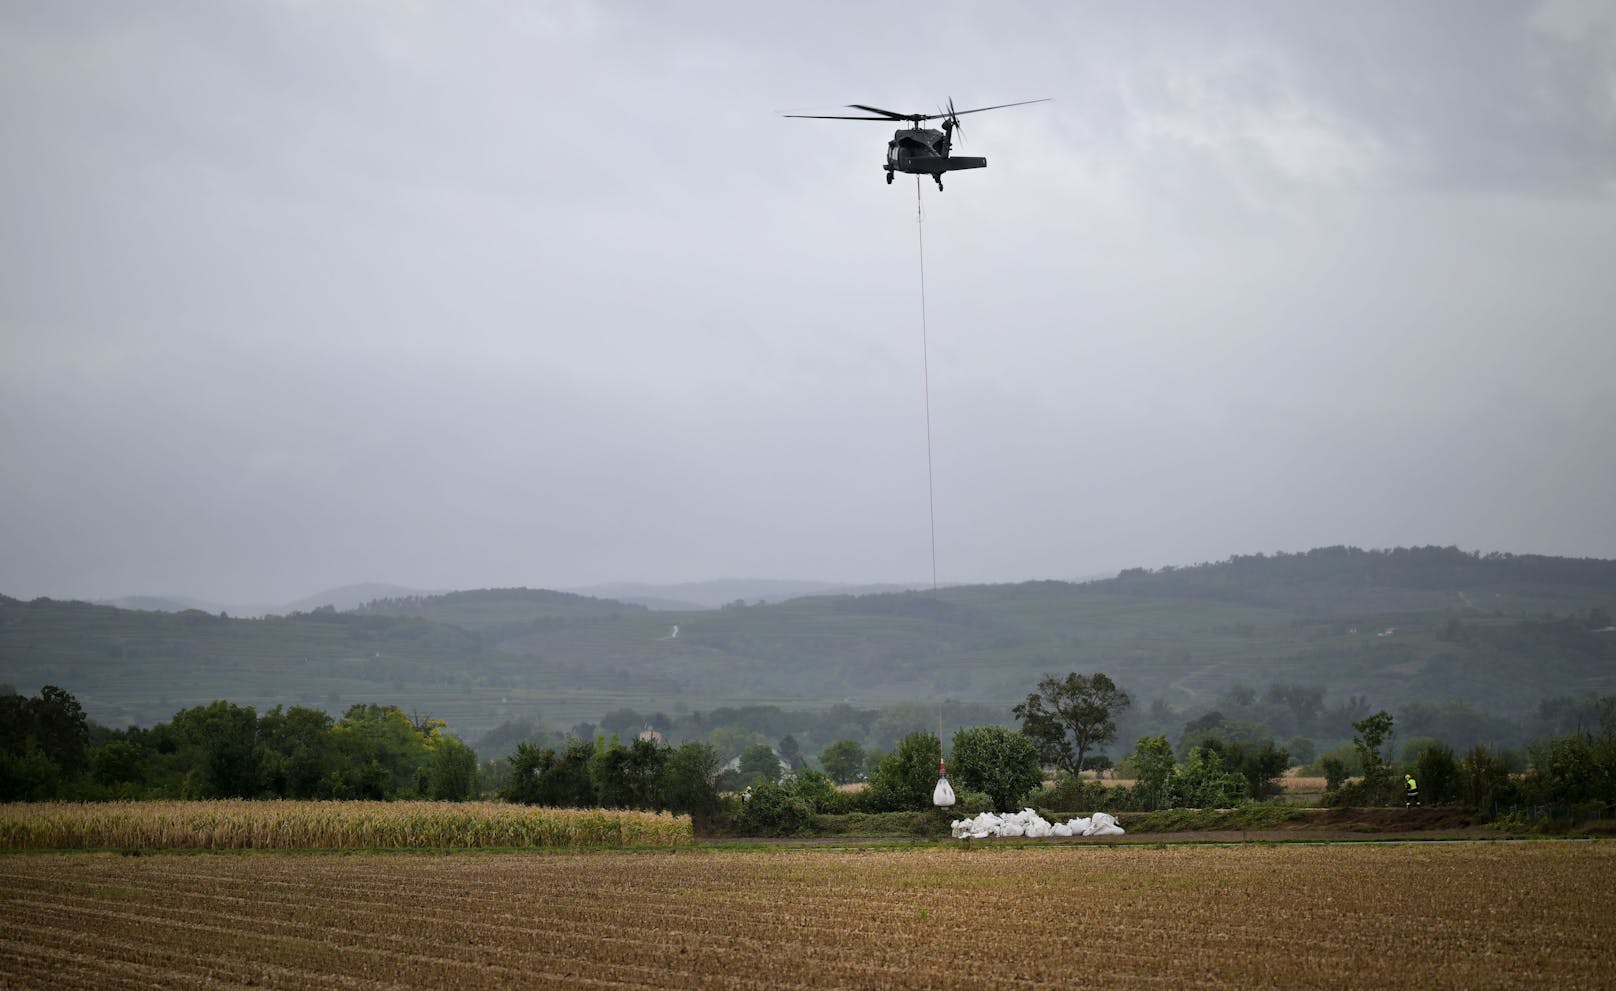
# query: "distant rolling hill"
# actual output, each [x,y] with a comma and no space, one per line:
[1499,631]
[686,596]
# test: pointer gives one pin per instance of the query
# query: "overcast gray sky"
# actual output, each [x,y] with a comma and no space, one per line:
[296,294]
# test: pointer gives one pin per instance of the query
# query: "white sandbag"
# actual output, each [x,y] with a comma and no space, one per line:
[1103,824]
[1078,826]
[1011,828]
[943,795]
[1061,829]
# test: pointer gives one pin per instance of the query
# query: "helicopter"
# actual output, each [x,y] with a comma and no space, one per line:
[923,150]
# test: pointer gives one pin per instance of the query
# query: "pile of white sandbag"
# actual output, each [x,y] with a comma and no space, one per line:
[1029,823]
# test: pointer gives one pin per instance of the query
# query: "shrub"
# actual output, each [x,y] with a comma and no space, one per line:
[774,811]
[905,778]
[1070,793]
[816,788]
[1437,773]
[1002,763]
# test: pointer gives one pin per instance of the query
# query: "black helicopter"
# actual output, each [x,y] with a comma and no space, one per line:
[923,150]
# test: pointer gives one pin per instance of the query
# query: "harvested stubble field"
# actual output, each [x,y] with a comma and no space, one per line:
[1354,917]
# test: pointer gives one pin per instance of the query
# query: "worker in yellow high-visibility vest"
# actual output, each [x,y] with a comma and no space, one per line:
[1411,791]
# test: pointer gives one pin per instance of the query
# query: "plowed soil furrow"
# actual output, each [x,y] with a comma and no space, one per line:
[1251,917]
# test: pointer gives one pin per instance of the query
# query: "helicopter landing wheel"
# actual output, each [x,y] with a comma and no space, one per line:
[939,182]
[889,178]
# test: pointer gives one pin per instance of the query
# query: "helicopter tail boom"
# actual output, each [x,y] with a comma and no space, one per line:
[931,166]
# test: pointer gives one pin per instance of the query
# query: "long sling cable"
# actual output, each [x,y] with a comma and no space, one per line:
[931,500]
[925,366]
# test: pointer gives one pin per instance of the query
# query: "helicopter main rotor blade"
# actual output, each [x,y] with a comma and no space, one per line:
[887,120]
[891,114]
[997,106]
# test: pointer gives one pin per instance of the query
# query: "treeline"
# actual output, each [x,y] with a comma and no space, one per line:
[992,768]
[642,774]
[48,750]
[1282,577]
[1299,717]
[1573,771]
[733,729]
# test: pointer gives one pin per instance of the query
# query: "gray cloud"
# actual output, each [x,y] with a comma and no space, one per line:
[300,294]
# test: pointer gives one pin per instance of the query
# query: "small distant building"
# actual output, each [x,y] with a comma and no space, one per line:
[650,734]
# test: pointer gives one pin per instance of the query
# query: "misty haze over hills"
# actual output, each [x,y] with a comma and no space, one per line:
[674,597]
[1498,632]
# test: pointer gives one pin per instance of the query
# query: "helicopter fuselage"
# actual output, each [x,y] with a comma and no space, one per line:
[925,151]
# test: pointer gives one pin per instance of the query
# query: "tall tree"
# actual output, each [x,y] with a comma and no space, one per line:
[904,779]
[689,780]
[997,761]
[758,763]
[843,761]
[61,730]
[1374,732]
[221,741]
[1068,717]
[453,775]
[791,751]
[1153,770]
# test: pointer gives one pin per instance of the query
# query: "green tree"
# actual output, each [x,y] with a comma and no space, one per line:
[731,741]
[997,761]
[1204,782]
[774,811]
[1575,769]
[1484,780]
[300,754]
[905,778]
[690,780]
[627,777]
[454,770]
[1373,734]
[390,751]
[61,731]
[1260,766]
[1335,773]
[528,762]
[541,776]
[791,751]
[843,761]
[220,744]
[1153,770]
[1437,772]
[1068,717]
[817,789]
[758,763]
[31,778]
[16,725]
[118,762]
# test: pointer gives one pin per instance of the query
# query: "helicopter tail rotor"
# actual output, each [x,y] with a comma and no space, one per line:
[952,122]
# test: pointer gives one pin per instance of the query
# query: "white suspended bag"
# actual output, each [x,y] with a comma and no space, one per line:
[943,795]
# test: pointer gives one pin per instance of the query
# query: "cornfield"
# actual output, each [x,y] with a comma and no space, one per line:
[247,825]
[1359,916]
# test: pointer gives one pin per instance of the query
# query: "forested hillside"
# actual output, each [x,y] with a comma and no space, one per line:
[1497,631]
